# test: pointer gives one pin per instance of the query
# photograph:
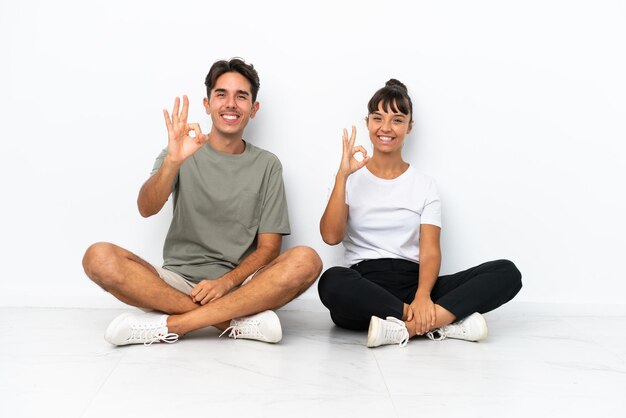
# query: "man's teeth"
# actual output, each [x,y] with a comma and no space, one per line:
[230,117]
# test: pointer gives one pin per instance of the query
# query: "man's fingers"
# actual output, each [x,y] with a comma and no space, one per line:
[199,296]
[185,111]
[168,121]
[175,110]
[195,127]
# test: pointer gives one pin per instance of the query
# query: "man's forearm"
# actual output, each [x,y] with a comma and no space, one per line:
[260,257]
[156,190]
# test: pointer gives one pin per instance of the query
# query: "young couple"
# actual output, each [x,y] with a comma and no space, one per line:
[222,261]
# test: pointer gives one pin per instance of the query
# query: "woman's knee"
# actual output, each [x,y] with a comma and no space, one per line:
[511,274]
[331,280]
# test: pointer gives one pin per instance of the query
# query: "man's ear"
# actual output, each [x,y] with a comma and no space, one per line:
[255,108]
[207,108]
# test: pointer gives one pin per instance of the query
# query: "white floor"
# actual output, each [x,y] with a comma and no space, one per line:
[539,361]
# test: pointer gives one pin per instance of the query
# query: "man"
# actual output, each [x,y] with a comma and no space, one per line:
[223,266]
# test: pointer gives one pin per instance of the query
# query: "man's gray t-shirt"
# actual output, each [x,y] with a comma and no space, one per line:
[221,202]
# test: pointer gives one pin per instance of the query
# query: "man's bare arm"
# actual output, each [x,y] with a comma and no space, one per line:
[180,146]
[268,248]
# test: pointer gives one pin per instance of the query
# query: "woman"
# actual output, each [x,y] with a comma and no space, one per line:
[388,216]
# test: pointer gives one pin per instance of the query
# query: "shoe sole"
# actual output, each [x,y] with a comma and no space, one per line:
[108,334]
[372,332]
[485,332]
[279,335]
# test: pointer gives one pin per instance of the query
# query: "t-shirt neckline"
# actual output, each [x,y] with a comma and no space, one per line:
[373,177]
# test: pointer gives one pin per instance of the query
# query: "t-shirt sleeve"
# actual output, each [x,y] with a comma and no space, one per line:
[274,213]
[432,206]
[159,162]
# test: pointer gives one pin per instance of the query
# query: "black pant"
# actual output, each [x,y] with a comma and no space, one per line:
[382,287]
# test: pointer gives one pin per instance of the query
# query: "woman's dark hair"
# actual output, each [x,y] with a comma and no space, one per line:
[236,65]
[394,96]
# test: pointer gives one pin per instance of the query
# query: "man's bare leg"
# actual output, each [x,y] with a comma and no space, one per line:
[278,283]
[133,280]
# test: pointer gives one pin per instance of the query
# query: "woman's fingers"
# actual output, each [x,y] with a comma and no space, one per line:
[360,149]
[352,136]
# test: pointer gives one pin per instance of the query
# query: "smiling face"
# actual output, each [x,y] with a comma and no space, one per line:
[230,105]
[387,128]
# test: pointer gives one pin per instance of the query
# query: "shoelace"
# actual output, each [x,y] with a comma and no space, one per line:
[243,327]
[397,333]
[151,334]
[455,328]
[169,338]
[440,335]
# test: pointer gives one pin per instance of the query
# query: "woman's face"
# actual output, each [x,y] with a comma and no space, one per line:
[387,129]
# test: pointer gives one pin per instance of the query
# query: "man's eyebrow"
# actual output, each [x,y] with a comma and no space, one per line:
[244,92]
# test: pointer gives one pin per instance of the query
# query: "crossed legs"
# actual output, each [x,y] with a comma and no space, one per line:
[383,288]
[135,282]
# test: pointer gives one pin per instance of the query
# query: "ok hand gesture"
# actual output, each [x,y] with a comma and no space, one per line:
[349,164]
[180,145]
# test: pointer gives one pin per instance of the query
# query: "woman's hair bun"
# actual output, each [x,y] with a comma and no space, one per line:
[396,84]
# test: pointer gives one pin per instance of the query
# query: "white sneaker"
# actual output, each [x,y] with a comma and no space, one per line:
[264,326]
[387,331]
[472,328]
[139,328]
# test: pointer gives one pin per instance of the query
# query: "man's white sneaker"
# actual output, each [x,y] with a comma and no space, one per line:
[387,331]
[264,326]
[139,328]
[472,328]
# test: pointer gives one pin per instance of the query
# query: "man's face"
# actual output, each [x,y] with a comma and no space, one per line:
[230,105]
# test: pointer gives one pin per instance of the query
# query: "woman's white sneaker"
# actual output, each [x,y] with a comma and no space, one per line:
[472,328]
[387,331]
[264,326]
[139,328]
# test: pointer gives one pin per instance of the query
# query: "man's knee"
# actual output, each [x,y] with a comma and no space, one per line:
[98,262]
[306,264]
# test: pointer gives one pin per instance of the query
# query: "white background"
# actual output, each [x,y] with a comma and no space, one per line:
[519,106]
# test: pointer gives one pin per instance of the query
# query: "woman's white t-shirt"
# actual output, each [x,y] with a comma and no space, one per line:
[384,216]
